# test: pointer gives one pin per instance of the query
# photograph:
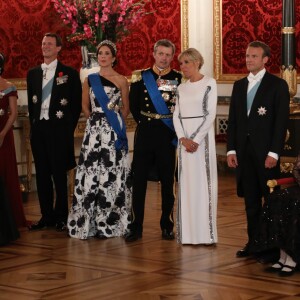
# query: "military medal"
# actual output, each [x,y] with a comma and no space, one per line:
[59,114]
[262,111]
[63,102]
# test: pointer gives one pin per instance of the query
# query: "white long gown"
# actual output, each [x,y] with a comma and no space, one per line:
[197,172]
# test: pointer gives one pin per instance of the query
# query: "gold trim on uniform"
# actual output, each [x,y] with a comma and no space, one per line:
[136,76]
[156,116]
[161,72]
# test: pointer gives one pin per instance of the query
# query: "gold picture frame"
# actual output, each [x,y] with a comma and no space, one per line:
[218,53]
[20,83]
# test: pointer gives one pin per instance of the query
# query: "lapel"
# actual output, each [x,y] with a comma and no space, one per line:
[54,87]
[244,97]
[38,82]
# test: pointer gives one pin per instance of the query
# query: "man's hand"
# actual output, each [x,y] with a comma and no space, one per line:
[232,161]
[270,162]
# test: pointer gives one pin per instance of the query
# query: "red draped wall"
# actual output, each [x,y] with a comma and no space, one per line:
[24,22]
[246,20]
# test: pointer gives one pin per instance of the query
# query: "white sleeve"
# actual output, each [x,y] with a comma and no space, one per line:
[176,121]
[211,109]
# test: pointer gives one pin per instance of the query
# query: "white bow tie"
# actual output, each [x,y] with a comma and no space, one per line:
[252,78]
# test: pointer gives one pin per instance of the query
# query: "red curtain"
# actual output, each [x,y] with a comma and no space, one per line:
[248,20]
[24,22]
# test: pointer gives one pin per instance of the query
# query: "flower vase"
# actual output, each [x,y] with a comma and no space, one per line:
[89,63]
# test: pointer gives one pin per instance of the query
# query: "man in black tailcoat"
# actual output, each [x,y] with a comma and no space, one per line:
[152,100]
[257,125]
[54,104]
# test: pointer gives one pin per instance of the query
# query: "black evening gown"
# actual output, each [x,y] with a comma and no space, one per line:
[8,228]
[280,220]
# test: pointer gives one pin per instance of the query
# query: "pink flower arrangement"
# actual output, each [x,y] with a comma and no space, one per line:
[92,21]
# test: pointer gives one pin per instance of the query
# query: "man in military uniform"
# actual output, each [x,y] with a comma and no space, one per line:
[152,101]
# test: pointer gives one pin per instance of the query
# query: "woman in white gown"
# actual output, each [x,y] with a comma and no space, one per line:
[194,118]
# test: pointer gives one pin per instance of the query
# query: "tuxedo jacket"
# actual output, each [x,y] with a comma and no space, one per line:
[265,127]
[65,103]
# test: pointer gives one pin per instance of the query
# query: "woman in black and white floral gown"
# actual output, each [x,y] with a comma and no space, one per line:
[102,195]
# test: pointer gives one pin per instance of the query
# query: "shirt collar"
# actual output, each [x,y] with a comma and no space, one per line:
[51,66]
[256,77]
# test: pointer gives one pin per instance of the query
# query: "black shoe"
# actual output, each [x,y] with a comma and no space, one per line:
[133,236]
[61,226]
[167,235]
[243,252]
[284,273]
[41,224]
[273,269]
[100,236]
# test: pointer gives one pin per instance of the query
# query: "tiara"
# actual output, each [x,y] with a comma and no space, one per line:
[108,42]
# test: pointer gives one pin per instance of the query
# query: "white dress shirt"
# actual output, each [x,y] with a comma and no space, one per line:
[48,74]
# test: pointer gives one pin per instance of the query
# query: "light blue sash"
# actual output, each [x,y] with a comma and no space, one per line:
[251,94]
[157,100]
[103,100]
[9,89]
[47,89]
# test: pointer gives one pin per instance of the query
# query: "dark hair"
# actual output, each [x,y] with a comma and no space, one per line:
[259,44]
[112,47]
[164,43]
[2,60]
[57,38]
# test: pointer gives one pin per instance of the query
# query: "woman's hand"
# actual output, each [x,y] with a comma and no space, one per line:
[189,145]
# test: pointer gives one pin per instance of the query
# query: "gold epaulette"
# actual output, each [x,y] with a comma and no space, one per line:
[136,76]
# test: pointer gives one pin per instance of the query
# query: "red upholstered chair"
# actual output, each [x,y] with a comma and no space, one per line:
[278,182]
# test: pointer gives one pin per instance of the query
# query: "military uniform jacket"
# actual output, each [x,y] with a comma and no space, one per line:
[139,98]
[65,103]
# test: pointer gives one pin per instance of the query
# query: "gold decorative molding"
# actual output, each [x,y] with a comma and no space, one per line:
[289,74]
[218,51]
[184,25]
[20,83]
[217,28]
[288,30]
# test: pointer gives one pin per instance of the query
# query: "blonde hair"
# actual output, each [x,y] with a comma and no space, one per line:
[192,54]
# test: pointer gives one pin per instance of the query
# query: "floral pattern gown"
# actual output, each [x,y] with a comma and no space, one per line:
[102,195]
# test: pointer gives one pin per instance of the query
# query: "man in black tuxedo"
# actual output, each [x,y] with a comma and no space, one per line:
[54,104]
[257,125]
[152,101]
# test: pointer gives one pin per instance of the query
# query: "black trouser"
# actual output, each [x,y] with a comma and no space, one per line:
[49,156]
[254,181]
[153,142]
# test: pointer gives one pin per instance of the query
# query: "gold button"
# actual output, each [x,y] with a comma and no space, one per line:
[146,98]
[149,119]
[145,91]
[147,105]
